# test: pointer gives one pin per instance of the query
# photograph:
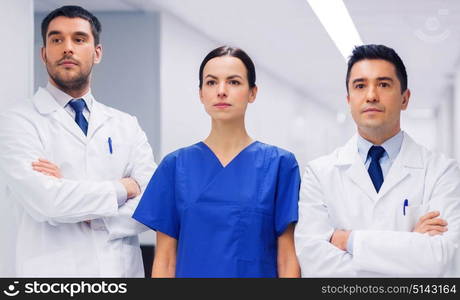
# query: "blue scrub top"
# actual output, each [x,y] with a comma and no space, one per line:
[226,219]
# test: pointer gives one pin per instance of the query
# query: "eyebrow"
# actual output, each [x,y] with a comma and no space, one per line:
[229,77]
[54,32]
[234,76]
[383,78]
[358,80]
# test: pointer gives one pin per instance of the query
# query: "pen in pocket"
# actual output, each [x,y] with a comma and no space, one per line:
[406,204]
[110,145]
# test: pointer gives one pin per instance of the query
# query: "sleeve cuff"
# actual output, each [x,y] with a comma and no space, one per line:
[122,195]
[350,243]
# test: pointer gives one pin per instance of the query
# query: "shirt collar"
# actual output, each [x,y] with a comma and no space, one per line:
[392,146]
[63,99]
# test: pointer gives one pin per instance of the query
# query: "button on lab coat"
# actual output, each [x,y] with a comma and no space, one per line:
[52,239]
[337,193]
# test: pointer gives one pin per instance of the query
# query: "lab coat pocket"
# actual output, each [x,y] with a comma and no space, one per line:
[112,160]
[410,216]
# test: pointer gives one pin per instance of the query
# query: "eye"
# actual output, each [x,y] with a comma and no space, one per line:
[234,82]
[210,82]
[56,40]
[80,40]
[359,86]
[384,84]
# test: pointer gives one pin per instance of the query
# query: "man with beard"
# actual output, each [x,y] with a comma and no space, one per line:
[73,167]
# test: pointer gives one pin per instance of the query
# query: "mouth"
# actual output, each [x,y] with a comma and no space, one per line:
[68,63]
[372,110]
[222,105]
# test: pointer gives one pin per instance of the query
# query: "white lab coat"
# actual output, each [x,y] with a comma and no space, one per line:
[52,239]
[337,193]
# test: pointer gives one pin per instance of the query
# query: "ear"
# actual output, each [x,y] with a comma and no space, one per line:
[405,99]
[348,99]
[98,56]
[43,54]
[253,94]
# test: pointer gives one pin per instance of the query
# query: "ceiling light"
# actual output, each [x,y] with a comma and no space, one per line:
[335,18]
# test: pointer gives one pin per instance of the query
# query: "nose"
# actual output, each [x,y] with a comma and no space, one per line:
[222,90]
[68,47]
[372,95]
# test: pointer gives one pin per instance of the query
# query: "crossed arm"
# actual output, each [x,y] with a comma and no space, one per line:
[48,168]
[427,251]
[52,200]
[430,223]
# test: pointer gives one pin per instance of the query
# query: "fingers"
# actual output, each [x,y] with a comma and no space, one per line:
[43,168]
[432,226]
[437,221]
[429,215]
[426,229]
[131,186]
[46,167]
[339,239]
[47,171]
[46,164]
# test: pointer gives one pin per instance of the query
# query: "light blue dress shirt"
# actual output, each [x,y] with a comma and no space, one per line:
[392,148]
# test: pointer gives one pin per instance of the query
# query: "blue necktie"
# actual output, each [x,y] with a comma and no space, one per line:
[375,170]
[78,105]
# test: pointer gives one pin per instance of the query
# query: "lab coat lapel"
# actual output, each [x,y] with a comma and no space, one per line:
[409,160]
[98,117]
[356,171]
[47,105]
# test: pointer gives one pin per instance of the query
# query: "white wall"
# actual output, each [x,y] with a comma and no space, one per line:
[280,115]
[16,75]
[445,123]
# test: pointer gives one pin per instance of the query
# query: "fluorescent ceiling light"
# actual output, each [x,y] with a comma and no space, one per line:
[337,21]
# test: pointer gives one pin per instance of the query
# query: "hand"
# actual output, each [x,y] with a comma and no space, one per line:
[46,167]
[340,238]
[131,186]
[431,224]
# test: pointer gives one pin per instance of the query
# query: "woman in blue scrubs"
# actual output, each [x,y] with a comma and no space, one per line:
[226,206]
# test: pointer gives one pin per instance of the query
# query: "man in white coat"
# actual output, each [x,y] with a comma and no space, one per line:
[73,167]
[381,205]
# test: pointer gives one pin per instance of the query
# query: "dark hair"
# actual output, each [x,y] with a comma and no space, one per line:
[72,11]
[378,52]
[234,52]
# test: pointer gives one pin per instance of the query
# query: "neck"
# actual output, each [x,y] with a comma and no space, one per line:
[228,135]
[74,92]
[378,136]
